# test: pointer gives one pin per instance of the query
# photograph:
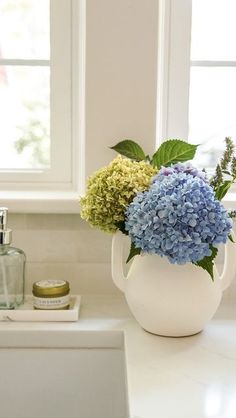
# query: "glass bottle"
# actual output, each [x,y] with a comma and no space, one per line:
[12,267]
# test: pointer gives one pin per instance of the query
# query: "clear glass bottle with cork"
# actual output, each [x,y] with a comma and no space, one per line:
[12,267]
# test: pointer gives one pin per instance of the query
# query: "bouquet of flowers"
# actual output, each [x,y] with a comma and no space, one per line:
[165,205]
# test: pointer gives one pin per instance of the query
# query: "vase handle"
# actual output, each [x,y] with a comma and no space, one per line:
[229,263]
[116,261]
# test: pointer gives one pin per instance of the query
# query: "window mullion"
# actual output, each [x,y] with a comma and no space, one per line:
[26,62]
[210,63]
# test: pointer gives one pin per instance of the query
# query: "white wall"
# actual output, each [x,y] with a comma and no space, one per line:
[121,62]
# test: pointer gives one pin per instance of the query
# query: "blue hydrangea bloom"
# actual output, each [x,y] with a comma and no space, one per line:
[178,217]
[181,168]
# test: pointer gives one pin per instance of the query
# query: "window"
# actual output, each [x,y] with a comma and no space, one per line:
[41,104]
[36,94]
[25,85]
[198,72]
[212,77]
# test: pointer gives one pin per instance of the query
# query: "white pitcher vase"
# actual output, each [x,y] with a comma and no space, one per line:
[169,299]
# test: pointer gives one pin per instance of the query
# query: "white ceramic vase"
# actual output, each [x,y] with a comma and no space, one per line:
[168,299]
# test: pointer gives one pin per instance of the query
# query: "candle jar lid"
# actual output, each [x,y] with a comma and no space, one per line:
[51,288]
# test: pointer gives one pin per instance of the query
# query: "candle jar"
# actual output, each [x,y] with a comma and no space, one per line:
[51,294]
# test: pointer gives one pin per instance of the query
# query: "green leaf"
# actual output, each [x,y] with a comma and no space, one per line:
[223,189]
[231,238]
[173,151]
[130,149]
[133,252]
[207,263]
[121,226]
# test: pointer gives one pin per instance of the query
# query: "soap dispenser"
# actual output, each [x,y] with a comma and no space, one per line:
[12,267]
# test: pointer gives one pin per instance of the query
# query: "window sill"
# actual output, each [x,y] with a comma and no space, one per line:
[40,201]
[59,201]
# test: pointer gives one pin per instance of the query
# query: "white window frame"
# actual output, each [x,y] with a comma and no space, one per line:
[174,41]
[173,68]
[57,190]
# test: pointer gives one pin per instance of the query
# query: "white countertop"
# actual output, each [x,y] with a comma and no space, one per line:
[191,377]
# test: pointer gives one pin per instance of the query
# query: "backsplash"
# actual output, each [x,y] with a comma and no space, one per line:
[65,247]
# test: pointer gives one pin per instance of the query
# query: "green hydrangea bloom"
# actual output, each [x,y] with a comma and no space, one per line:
[111,189]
